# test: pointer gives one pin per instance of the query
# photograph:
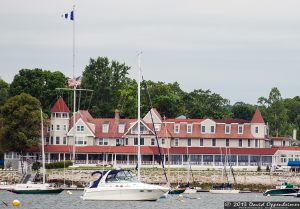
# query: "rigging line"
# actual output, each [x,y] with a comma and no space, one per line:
[159,150]
[90,100]
[79,100]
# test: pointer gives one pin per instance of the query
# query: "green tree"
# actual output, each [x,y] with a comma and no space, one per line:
[4,88]
[107,79]
[38,83]
[166,97]
[204,104]
[20,119]
[276,113]
[240,110]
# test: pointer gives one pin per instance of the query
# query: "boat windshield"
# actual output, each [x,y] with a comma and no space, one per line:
[121,176]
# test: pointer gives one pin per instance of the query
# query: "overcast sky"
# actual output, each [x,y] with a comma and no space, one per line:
[237,48]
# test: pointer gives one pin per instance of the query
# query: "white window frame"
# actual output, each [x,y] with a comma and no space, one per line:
[57,127]
[80,128]
[227,140]
[121,127]
[187,142]
[57,138]
[177,128]
[152,142]
[103,141]
[202,126]
[176,142]
[256,129]
[214,142]
[229,128]
[157,127]
[189,128]
[105,127]
[240,126]
[163,141]
[80,139]
[241,140]
[65,127]
[213,130]
[65,140]
[201,141]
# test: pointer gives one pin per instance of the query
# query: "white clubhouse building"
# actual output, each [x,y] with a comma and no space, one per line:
[202,142]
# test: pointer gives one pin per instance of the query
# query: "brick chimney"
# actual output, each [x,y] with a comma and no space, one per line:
[117,114]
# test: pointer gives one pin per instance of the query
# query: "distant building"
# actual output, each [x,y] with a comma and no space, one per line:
[200,141]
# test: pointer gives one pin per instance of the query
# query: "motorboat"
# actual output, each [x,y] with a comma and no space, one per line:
[121,185]
[31,188]
[285,189]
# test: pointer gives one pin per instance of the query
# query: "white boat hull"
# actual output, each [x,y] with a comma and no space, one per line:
[190,191]
[125,193]
[224,191]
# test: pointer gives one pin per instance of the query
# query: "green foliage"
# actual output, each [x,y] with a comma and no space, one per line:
[38,83]
[106,78]
[36,166]
[240,110]
[268,168]
[20,123]
[205,104]
[258,168]
[4,88]
[60,164]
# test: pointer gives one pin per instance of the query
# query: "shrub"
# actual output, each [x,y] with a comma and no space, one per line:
[258,168]
[60,164]
[36,166]
[268,168]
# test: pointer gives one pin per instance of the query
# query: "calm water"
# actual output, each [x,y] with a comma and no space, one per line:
[193,201]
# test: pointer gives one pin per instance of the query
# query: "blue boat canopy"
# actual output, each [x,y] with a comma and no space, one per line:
[293,163]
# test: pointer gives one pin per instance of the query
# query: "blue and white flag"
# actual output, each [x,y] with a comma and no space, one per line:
[69,15]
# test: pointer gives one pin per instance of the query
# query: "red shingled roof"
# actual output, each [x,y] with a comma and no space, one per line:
[60,106]
[280,138]
[257,117]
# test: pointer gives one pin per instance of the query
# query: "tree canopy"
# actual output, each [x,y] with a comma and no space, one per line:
[38,83]
[4,88]
[20,123]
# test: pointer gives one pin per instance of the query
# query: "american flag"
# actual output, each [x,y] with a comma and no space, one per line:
[74,81]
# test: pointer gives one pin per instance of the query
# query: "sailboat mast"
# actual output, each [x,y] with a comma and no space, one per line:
[139,116]
[74,88]
[43,147]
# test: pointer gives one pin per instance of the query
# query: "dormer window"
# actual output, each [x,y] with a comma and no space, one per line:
[227,129]
[240,129]
[202,129]
[80,128]
[212,129]
[176,128]
[157,127]
[189,128]
[256,129]
[105,127]
[121,128]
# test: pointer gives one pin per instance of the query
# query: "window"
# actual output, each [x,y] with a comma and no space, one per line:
[58,115]
[152,141]
[157,127]
[201,142]
[214,142]
[212,129]
[283,143]
[57,127]
[256,129]
[227,142]
[256,142]
[249,142]
[51,140]
[57,140]
[51,127]
[48,128]
[47,140]
[227,129]
[65,115]
[80,141]
[240,129]
[189,128]
[240,142]
[202,129]
[64,140]
[126,141]
[189,142]
[103,141]
[176,128]
[176,144]
[105,127]
[136,141]
[121,128]
[80,128]
[65,127]
[163,141]
[119,142]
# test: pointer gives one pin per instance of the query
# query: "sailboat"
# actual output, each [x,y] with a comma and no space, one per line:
[225,188]
[40,188]
[122,184]
[189,189]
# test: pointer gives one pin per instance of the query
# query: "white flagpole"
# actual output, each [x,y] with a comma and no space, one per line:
[139,116]
[74,87]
